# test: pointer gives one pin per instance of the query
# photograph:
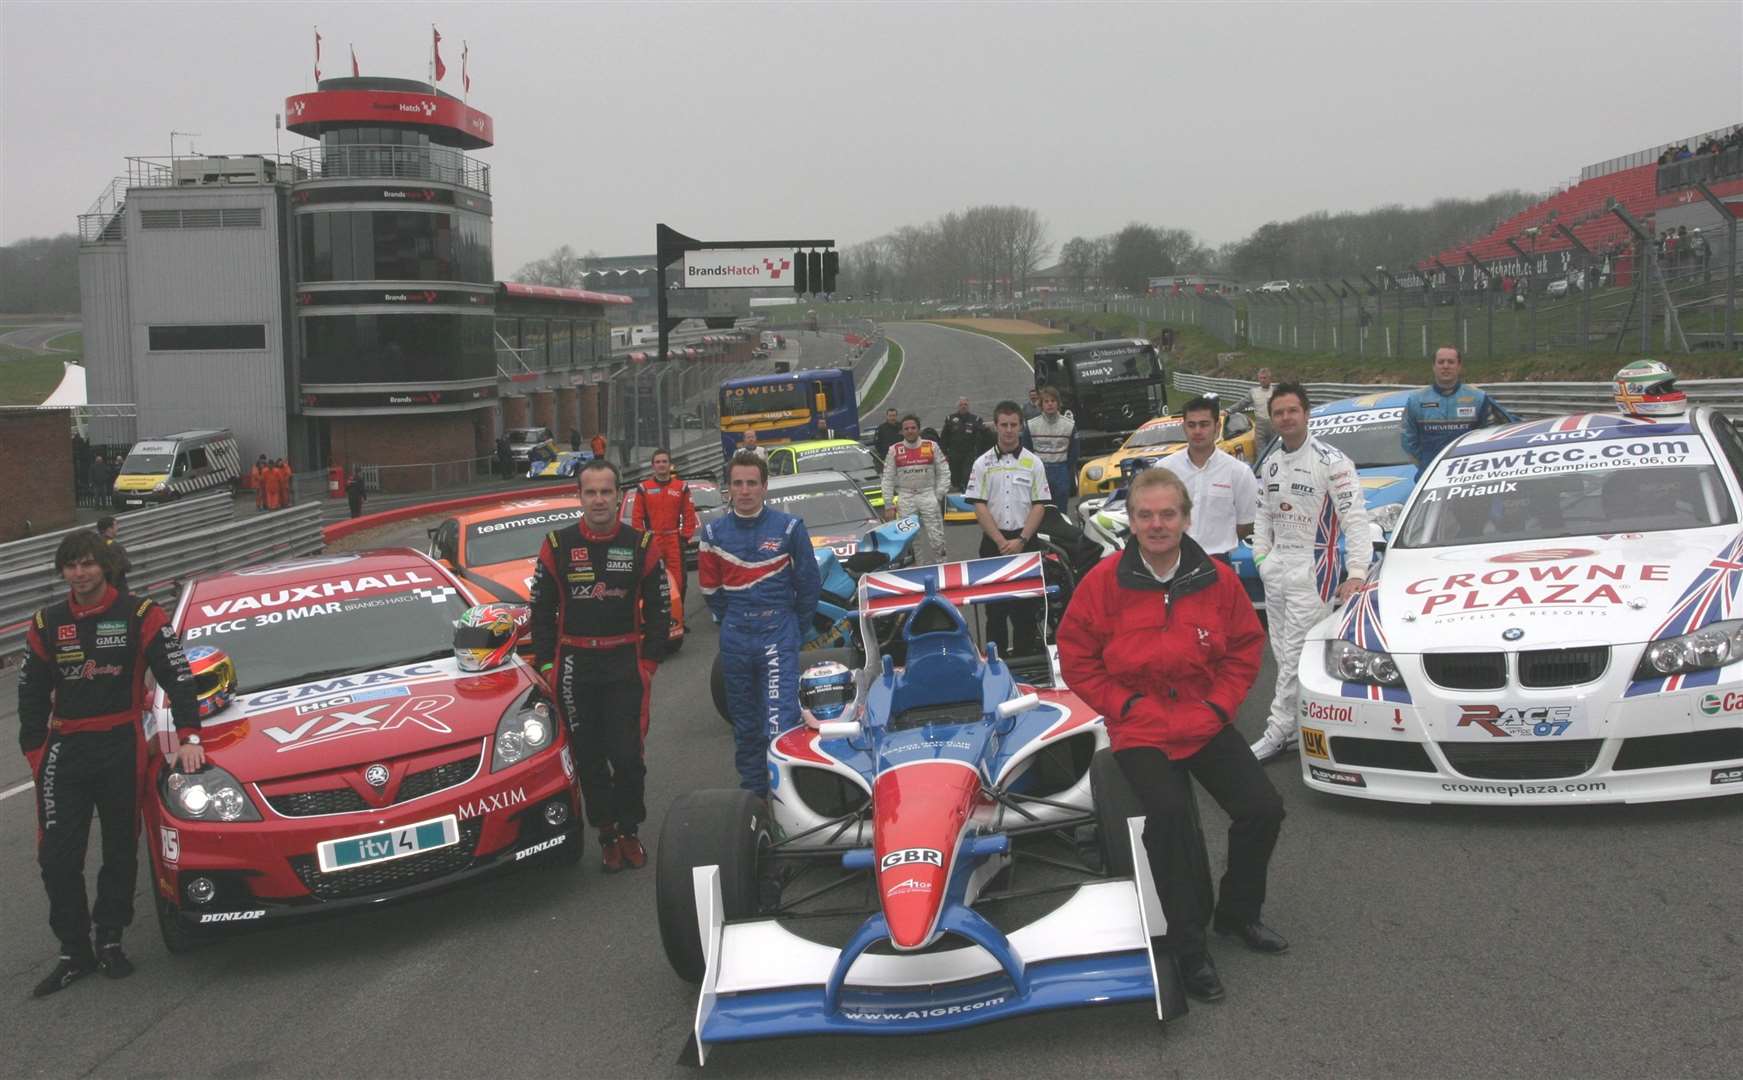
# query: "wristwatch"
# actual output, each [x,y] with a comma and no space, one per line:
[192,740]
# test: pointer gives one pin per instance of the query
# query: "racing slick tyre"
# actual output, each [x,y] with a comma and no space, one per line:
[725,828]
[178,940]
[1114,802]
[850,658]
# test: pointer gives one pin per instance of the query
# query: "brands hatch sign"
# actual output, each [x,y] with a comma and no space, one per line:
[738,268]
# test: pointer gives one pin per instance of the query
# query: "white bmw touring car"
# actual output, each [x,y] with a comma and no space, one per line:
[1557,620]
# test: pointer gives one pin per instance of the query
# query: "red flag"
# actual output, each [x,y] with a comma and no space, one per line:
[436,51]
[355,74]
[465,79]
[317,56]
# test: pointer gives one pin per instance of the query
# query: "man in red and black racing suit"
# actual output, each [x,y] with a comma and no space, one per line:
[600,599]
[662,506]
[81,697]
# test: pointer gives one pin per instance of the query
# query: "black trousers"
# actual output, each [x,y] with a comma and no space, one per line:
[1225,768]
[1013,625]
[605,729]
[82,773]
[356,502]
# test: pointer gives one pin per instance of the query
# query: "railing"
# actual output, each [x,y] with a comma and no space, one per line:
[135,527]
[1649,155]
[379,160]
[426,475]
[1531,400]
[1725,165]
[160,565]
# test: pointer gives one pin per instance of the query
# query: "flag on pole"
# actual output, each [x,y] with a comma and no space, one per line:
[465,79]
[317,54]
[355,74]
[436,52]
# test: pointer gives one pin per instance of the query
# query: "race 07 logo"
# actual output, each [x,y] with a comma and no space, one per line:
[1504,721]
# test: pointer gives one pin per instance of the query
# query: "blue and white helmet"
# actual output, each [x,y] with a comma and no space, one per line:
[825,690]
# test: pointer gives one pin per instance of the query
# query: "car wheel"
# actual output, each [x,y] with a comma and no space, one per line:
[724,828]
[1114,802]
[717,686]
[177,939]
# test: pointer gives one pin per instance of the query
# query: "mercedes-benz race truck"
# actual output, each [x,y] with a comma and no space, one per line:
[1109,387]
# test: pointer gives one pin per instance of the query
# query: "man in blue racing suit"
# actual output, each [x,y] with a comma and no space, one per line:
[759,575]
[1443,410]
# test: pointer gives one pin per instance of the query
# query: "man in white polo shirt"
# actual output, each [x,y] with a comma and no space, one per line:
[1008,487]
[1225,493]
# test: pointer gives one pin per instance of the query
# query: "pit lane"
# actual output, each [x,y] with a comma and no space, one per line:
[1436,941]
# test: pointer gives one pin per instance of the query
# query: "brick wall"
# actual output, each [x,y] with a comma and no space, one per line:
[568,411]
[390,441]
[36,473]
[544,407]
[514,412]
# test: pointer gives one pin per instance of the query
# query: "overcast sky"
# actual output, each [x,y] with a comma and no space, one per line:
[735,121]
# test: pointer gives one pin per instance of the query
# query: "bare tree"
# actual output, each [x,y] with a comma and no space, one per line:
[560,268]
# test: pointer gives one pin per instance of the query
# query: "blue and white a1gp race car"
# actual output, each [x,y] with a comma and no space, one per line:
[961,803]
[1557,620]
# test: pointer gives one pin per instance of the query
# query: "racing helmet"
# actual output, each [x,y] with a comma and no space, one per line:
[486,634]
[824,691]
[1648,388]
[214,678]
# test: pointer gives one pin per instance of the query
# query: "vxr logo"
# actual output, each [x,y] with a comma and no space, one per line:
[384,716]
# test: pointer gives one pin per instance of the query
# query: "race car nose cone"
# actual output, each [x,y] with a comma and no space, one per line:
[922,809]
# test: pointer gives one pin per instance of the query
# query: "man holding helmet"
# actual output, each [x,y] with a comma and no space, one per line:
[600,615]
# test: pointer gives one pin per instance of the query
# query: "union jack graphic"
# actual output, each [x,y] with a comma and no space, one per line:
[979,581]
[1370,692]
[1361,621]
[1328,561]
[1609,424]
[1710,598]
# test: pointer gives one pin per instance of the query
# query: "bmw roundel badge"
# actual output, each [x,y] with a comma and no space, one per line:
[1512,633]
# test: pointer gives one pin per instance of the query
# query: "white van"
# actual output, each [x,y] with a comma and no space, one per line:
[171,466]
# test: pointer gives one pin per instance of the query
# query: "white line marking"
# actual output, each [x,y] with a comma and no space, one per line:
[985,337]
[20,789]
[871,410]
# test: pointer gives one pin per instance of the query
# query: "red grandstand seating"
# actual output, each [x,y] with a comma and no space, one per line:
[1581,208]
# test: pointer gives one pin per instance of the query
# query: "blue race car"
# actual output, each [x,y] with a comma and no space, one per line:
[943,783]
[547,462]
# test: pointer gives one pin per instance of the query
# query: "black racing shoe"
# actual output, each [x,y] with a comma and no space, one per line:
[70,970]
[1198,971]
[114,961]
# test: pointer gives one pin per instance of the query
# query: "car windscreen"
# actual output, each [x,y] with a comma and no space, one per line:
[280,635]
[773,397]
[1171,433]
[852,460]
[1370,439]
[1615,486]
[514,538]
[147,464]
[522,436]
[822,508]
[704,498]
[1105,366]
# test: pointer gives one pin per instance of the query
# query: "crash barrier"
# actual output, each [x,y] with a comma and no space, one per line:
[696,462]
[161,564]
[136,527]
[1532,399]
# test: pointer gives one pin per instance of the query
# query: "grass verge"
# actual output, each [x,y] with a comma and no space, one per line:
[880,388]
[73,343]
[28,379]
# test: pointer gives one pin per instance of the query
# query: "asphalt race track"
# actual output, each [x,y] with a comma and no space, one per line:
[1427,941]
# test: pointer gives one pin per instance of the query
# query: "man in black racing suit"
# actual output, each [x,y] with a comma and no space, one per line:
[81,697]
[601,604]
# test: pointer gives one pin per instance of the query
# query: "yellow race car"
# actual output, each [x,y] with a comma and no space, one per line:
[823,455]
[1160,437]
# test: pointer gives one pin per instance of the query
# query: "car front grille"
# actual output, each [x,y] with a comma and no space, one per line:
[1682,748]
[1466,671]
[345,800]
[1380,754]
[1537,760]
[1563,667]
[390,875]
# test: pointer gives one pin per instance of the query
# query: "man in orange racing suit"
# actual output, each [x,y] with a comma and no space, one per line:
[662,507]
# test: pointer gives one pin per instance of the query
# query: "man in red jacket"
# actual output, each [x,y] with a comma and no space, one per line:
[663,507]
[1163,642]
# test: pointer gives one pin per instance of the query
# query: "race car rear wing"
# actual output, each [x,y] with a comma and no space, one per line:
[762,981]
[977,581]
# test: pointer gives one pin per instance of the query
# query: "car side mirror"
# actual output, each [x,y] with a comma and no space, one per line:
[840,729]
[1017,706]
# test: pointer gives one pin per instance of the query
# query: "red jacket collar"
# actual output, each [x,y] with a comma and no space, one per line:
[589,534]
[102,603]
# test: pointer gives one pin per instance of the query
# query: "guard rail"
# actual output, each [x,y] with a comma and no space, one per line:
[138,526]
[162,564]
[1533,399]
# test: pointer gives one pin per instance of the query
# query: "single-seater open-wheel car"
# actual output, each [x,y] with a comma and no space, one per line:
[955,847]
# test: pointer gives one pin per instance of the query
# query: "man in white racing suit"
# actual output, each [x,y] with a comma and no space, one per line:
[1309,497]
[917,475]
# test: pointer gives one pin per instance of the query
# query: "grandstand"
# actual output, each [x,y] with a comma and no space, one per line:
[1583,208]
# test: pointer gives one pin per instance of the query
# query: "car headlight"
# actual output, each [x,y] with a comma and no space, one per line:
[160,486]
[1352,663]
[1710,647]
[1111,525]
[1095,472]
[523,731]
[1386,518]
[208,795]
